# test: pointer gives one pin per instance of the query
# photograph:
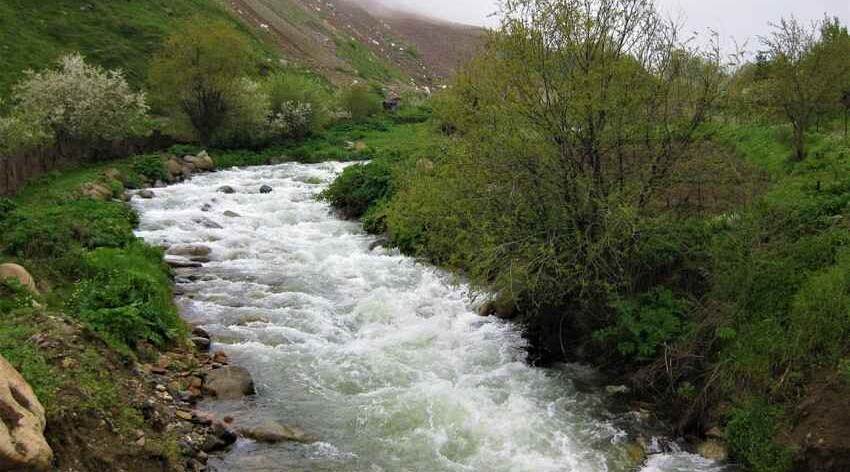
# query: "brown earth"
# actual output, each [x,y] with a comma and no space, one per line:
[424,51]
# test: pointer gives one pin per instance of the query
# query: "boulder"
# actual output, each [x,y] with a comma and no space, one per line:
[17,272]
[146,193]
[275,433]
[500,307]
[226,189]
[266,189]
[97,191]
[203,344]
[187,171]
[231,214]
[204,162]
[22,423]
[173,167]
[229,383]
[179,262]
[207,223]
[713,449]
[114,174]
[189,250]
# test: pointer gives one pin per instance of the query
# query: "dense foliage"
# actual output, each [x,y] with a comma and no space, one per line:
[573,188]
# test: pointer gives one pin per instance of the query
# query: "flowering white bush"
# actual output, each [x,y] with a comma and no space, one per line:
[81,101]
[294,120]
[20,132]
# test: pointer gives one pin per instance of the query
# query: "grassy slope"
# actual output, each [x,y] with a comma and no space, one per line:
[115,34]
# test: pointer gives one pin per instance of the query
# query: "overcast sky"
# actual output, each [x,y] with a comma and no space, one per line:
[739,19]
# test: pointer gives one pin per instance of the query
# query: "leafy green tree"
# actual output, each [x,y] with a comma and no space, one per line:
[199,75]
[359,101]
[806,68]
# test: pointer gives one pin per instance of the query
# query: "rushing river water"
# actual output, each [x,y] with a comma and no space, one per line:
[381,358]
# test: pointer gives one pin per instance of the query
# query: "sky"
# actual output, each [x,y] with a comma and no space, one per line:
[742,20]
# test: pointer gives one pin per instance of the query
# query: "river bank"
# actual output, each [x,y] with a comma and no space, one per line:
[383,360]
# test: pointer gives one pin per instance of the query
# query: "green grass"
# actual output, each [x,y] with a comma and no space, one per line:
[113,34]
[366,64]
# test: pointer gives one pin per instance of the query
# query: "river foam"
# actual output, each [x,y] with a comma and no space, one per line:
[380,357]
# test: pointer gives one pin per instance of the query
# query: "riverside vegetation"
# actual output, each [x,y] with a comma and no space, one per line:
[629,199]
[635,202]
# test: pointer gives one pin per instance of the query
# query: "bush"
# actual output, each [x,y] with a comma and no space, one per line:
[80,101]
[151,168]
[751,432]
[126,296]
[299,101]
[359,101]
[359,187]
[647,322]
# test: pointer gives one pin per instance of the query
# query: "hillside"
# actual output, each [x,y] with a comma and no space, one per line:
[345,40]
[113,34]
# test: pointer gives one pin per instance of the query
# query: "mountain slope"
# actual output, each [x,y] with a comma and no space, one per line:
[122,34]
[348,41]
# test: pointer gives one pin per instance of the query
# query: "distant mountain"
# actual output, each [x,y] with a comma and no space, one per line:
[348,40]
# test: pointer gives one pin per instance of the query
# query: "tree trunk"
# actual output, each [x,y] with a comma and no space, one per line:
[799,143]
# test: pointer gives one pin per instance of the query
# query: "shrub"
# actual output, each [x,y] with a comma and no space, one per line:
[359,187]
[81,102]
[751,432]
[645,323]
[126,296]
[359,101]
[151,167]
[300,101]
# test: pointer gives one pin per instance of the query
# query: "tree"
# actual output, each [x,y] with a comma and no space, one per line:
[80,102]
[199,74]
[567,126]
[360,102]
[807,66]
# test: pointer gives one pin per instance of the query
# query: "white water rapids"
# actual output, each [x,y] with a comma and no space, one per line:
[381,358]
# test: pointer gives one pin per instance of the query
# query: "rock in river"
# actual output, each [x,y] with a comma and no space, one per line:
[275,433]
[266,189]
[230,383]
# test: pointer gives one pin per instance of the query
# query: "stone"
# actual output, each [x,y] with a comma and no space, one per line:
[713,449]
[189,250]
[14,271]
[184,415]
[714,433]
[187,171]
[206,207]
[200,332]
[499,307]
[275,433]
[22,423]
[158,370]
[114,174]
[636,453]
[96,191]
[178,262]
[202,344]
[266,189]
[227,189]
[204,162]
[616,389]
[232,214]
[146,193]
[207,223]
[229,383]
[173,167]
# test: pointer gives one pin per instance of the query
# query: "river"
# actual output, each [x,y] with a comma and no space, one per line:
[383,359]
